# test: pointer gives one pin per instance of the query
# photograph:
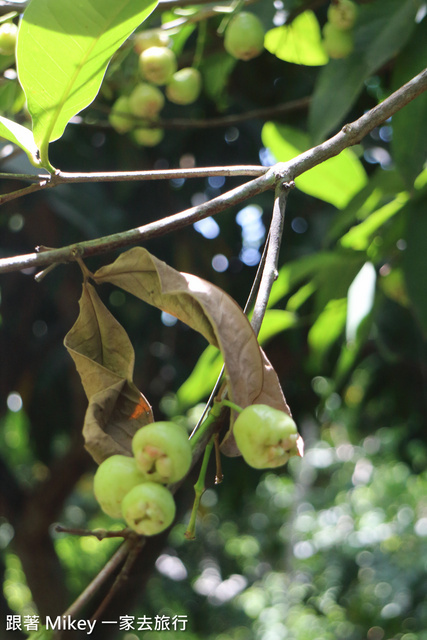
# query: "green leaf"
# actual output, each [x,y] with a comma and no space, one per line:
[20,136]
[382,187]
[300,42]
[336,181]
[296,272]
[275,321]
[62,54]
[328,327]
[329,274]
[216,70]
[409,142]
[360,236]
[381,31]
[202,379]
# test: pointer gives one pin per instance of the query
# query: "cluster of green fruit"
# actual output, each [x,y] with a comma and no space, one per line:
[8,36]
[134,488]
[338,37]
[243,39]
[158,67]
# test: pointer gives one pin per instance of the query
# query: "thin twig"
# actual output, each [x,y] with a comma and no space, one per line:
[354,132]
[13,195]
[63,177]
[270,271]
[140,234]
[249,302]
[101,534]
[263,113]
[113,563]
[134,551]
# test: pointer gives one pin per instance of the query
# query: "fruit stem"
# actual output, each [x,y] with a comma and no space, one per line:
[201,431]
[199,489]
[212,416]
[232,405]
[200,44]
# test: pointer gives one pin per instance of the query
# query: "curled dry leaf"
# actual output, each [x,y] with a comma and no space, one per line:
[104,358]
[210,311]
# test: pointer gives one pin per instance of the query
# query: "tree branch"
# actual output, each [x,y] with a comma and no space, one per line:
[269,273]
[354,132]
[349,135]
[220,121]
[140,234]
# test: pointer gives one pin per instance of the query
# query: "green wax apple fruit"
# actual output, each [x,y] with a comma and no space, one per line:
[343,14]
[337,43]
[118,116]
[266,437]
[8,35]
[244,36]
[162,451]
[150,38]
[113,479]
[148,137]
[157,64]
[148,508]
[184,86]
[146,100]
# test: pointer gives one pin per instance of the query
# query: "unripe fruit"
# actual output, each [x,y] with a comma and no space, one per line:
[114,478]
[150,38]
[162,451]
[244,36]
[185,86]
[266,437]
[343,14]
[157,65]
[148,508]
[8,35]
[118,118]
[146,101]
[337,43]
[148,137]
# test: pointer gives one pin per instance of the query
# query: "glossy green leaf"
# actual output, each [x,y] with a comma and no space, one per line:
[382,187]
[360,236]
[336,181]
[300,42]
[20,136]
[381,31]
[296,272]
[202,379]
[328,327]
[62,54]
[409,142]
[275,321]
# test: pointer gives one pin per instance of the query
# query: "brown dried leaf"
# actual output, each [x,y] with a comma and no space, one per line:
[104,358]
[210,311]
